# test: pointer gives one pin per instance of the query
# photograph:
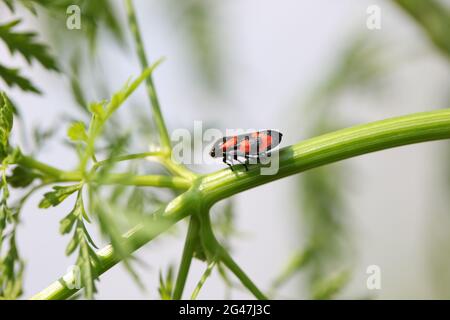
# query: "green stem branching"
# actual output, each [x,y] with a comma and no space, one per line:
[325,149]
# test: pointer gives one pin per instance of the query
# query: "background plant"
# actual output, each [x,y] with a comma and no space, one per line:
[101,143]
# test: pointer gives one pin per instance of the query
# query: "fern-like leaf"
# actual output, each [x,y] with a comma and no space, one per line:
[12,77]
[25,43]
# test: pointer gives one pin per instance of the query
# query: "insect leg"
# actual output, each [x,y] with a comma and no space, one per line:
[257,150]
[225,160]
[243,163]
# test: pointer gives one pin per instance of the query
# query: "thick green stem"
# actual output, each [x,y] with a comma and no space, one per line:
[135,238]
[186,259]
[312,153]
[164,135]
[329,148]
[53,172]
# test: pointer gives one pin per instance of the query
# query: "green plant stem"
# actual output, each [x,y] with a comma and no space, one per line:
[203,279]
[57,175]
[53,172]
[134,27]
[308,154]
[186,259]
[240,274]
[146,181]
[217,253]
[329,148]
[127,157]
[178,169]
[135,238]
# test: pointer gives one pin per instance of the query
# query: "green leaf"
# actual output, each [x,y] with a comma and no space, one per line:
[9,4]
[77,214]
[13,78]
[11,272]
[11,265]
[28,4]
[73,244]
[22,177]
[75,83]
[77,132]
[87,270]
[119,97]
[329,287]
[58,195]
[296,263]
[166,285]
[97,109]
[87,259]
[6,122]
[25,43]
[66,224]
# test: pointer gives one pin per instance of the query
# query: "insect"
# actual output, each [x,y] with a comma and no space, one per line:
[243,147]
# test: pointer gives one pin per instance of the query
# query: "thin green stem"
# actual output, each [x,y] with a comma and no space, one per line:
[216,252]
[54,175]
[146,181]
[132,21]
[308,154]
[127,157]
[102,114]
[174,168]
[186,259]
[240,274]
[178,169]
[203,279]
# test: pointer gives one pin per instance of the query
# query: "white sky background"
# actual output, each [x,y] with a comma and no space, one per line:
[276,51]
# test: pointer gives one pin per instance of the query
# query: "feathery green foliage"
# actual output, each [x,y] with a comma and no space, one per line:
[87,259]
[12,77]
[6,123]
[58,195]
[11,264]
[166,284]
[26,45]
[126,207]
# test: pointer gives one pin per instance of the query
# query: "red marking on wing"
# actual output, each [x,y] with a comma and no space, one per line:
[265,142]
[255,134]
[244,146]
[230,143]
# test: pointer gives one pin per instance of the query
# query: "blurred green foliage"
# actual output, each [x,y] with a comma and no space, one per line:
[325,221]
[433,17]
[326,256]
[200,35]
